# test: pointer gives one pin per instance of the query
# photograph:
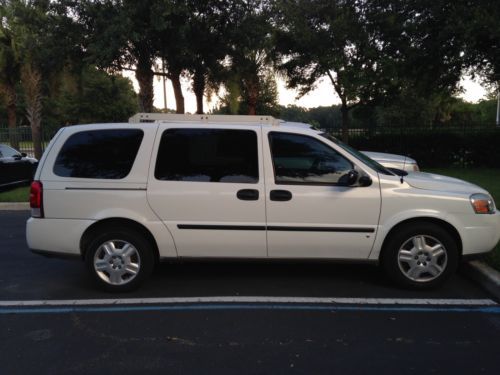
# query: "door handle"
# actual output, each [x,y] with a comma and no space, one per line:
[248,194]
[280,195]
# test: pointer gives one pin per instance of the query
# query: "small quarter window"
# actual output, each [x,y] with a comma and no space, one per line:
[208,155]
[99,154]
[300,159]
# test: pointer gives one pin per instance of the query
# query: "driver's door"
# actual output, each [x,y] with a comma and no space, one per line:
[309,213]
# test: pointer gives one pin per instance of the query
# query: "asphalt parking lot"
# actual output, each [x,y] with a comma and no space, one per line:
[369,326]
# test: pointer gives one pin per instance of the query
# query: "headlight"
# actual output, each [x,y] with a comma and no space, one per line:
[482,204]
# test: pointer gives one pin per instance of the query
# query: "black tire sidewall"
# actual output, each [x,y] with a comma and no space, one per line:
[389,259]
[143,247]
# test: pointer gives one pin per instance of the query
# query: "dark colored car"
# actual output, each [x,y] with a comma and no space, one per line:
[16,168]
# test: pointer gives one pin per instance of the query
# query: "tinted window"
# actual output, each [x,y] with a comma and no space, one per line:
[103,154]
[208,155]
[302,159]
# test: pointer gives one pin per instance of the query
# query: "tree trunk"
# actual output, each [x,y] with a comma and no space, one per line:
[344,109]
[199,90]
[253,95]
[11,96]
[144,75]
[179,98]
[31,80]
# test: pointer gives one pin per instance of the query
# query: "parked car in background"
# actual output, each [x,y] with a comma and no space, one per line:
[394,162]
[16,168]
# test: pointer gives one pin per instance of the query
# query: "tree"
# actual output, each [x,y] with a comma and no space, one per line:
[371,50]
[31,79]
[483,47]
[26,24]
[42,46]
[92,96]
[482,39]
[423,41]
[170,21]
[329,38]
[207,45]
[120,36]
[32,27]
[249,54]
[236,99]
[10,70]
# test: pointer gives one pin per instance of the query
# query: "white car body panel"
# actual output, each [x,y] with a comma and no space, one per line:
[401,202]
[321,206]
[207,203]
[84,201]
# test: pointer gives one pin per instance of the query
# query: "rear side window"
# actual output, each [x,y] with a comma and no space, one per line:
[100,154]
[208,155]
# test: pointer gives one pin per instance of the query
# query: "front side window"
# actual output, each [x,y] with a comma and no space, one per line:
[359,155]
[208,155]
[100,154]
[300,159]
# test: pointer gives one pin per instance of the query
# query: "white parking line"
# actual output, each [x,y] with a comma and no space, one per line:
[257,299]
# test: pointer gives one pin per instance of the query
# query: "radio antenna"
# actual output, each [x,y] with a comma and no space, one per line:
[403,171]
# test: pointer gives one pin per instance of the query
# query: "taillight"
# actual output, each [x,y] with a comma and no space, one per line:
[36,199]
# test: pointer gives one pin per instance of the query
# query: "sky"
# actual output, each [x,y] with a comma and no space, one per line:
[322,95]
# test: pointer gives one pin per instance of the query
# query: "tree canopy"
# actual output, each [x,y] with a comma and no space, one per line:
[378,55]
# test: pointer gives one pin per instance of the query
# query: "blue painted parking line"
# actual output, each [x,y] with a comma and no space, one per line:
[259,306]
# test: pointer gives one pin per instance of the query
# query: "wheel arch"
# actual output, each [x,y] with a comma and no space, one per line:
[436,221]
[117,222]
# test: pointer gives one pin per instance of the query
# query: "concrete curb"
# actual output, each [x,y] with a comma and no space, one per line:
[14,206]
[486,276]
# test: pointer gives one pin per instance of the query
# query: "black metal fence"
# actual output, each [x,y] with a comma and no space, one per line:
[432,147]
[21,139]
[462,146]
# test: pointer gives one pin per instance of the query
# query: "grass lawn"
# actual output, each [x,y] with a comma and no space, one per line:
[488,179]
[20,194]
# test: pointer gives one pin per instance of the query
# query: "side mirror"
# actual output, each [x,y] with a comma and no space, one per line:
[349,178]
[365,181]
[24,154]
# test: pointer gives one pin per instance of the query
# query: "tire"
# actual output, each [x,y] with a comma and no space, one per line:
[119,260]
[420,255]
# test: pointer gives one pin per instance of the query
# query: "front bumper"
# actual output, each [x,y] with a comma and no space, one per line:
[480,233]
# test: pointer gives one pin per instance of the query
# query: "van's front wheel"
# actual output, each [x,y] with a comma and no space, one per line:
[420,256]
[119,261]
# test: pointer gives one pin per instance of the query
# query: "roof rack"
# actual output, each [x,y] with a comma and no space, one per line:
[204,119]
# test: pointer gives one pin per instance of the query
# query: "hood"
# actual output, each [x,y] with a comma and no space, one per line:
[430,181]
[382,156]
[31,160]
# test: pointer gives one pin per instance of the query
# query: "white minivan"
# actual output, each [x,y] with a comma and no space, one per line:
[123,197]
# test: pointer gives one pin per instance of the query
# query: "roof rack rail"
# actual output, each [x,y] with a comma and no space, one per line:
[204,119]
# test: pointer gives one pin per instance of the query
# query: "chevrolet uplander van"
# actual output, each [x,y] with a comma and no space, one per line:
[123,197]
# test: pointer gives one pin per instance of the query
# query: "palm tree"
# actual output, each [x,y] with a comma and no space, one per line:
[10,69]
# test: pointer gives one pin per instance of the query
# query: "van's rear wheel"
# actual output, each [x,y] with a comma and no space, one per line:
[420,256]
[119,261]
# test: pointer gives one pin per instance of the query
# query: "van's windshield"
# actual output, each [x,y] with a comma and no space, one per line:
[359,155]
